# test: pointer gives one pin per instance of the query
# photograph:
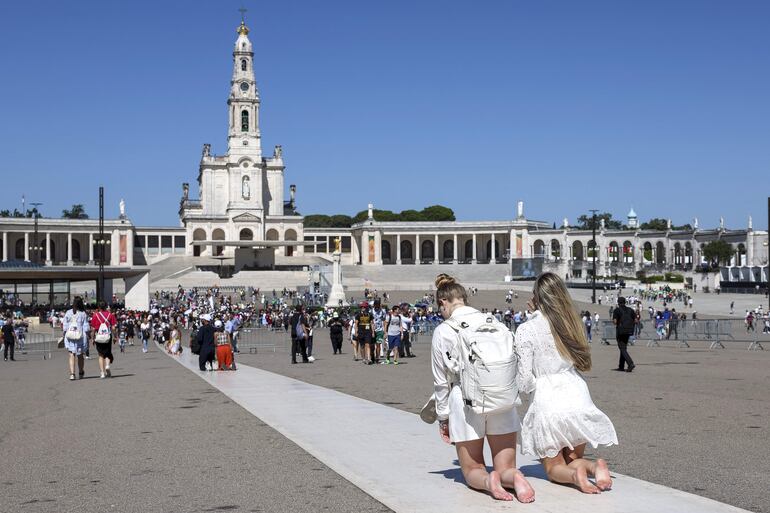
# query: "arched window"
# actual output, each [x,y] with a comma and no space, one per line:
[244,65]
[385,250]
[244,121]
[406,250]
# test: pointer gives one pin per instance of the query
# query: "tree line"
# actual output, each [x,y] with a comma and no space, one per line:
[432,213]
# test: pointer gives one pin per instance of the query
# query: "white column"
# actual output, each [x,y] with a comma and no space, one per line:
[492,247]
[26,246]
[91,249]
[473,253]
[436,254]
[49,258]
[454,248]
[5,246]
[417,249]
[398,249]
[511,246]
[69,248]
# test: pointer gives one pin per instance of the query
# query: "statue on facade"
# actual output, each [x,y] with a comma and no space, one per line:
[122,206]
[337,245]
[668,225]
[371,211]
[206,150]
[695,223]
[185,191]
[520,210]
[565,223]
[601,223]
[721,223]
[245,188]
[278,152]
[751,223]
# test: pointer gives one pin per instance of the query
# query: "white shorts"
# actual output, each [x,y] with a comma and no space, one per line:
[466,425]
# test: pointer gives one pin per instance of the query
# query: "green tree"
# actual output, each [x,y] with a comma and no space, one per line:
[585,222]
[76,212]
[655,224]
[438,213]
[718,251]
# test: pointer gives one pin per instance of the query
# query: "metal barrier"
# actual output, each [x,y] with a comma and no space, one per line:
[256,339]
[714,331]
[43,344]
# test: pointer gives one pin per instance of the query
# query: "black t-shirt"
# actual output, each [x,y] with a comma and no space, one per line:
[336,326]
[625,318]
[364,322]
[8,332]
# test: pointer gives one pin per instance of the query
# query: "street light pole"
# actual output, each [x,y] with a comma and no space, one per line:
[35,246]
[101,245]
[593,254]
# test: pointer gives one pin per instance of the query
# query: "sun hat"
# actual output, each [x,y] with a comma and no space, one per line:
[217,323]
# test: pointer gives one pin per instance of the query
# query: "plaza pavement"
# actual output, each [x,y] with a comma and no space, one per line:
[153,438]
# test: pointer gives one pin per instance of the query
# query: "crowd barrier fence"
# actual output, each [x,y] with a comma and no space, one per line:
[716,332]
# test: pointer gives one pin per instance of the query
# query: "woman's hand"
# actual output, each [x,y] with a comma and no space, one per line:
[443,430]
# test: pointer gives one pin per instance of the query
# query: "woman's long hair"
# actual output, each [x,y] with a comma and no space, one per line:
[553,301]
[77,304]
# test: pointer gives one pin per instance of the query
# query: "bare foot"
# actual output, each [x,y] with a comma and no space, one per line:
[602,475]
[580,479]
[495,487]
[524,491]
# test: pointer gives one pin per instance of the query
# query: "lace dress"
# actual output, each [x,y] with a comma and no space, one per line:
[561,413]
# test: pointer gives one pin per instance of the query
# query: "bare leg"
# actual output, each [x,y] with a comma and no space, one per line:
[598,469]
[503,449]
[101,364]
[471,456]
[72,363]
[560,472]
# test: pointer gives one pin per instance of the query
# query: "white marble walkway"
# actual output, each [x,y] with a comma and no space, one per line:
[408,468]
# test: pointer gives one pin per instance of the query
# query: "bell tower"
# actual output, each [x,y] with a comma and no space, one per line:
[243,136]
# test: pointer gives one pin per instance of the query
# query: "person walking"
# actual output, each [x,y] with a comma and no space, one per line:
[145,332]
[624,319]
[205,339]
[336,332]
[395,332]
[463,426]
[298,335]
[103,326]
[9,337]
[561,419]
[224,347]
[365,335]
[75,326]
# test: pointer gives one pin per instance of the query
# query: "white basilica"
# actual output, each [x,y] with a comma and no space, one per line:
[242,191]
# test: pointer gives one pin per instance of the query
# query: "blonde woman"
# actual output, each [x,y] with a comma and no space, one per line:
[562,419]
[462,426]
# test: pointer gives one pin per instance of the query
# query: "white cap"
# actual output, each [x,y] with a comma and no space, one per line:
[206,317]
[217,323]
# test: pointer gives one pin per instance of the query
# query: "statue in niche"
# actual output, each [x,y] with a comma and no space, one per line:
[245,188]
[206,150]
[278,152]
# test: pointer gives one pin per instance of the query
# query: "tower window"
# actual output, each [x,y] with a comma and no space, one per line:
[244,65]
[244,121]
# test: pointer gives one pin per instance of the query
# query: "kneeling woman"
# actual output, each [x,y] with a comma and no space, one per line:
[561,419]
[462,426]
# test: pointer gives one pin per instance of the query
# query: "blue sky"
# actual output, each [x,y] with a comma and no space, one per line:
[568,105]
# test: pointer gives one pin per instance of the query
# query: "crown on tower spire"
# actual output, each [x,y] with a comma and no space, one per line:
[242,29]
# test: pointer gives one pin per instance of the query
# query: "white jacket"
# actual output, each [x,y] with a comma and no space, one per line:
[444,342]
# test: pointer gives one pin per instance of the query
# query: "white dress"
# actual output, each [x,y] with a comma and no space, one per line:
[561,413]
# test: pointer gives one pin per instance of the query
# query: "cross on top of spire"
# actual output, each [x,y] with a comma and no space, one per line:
[243,29]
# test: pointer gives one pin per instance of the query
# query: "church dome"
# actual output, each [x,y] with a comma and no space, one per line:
[631,213]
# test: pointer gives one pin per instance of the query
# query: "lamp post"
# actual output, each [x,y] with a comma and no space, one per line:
[35,247]
[101,244]
[593,254]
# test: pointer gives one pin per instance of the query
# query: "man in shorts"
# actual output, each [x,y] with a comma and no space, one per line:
[103,326]
[378,319]
[365,334]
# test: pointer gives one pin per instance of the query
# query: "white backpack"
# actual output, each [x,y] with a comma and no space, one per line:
[485,361]
[103,334]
